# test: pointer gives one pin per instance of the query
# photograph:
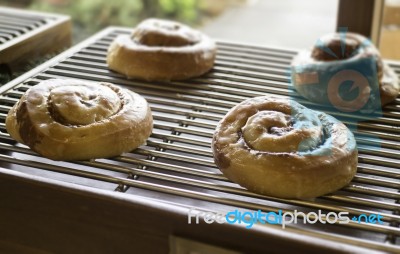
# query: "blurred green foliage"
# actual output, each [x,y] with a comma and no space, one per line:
[90,16]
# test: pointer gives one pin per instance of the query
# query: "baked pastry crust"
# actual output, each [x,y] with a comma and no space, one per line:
[342,49]
[162,50]
[78,120]
[279,148]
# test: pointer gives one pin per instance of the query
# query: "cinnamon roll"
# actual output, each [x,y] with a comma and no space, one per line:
[79,120]
[162,50]
[279,148]
[340,57]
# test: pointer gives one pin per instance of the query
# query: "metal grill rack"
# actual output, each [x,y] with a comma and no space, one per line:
[25,33]
[176,164]
[13,25]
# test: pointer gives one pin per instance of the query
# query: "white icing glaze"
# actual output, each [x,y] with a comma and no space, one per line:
[107,106]
[280,148]
[271,131]
[83,105]
[195,40]
[166,31]
[161,50]
[204,45]
[79,120]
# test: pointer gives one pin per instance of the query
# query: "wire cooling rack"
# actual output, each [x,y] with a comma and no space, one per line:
[176,164]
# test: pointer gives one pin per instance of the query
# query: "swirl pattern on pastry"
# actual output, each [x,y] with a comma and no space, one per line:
[344,51]
[280,148]
[162,50]
[78,120]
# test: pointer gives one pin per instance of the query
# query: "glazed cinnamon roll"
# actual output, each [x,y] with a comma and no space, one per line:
[341,57]
[279,148]
[162,50]
[79,120]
